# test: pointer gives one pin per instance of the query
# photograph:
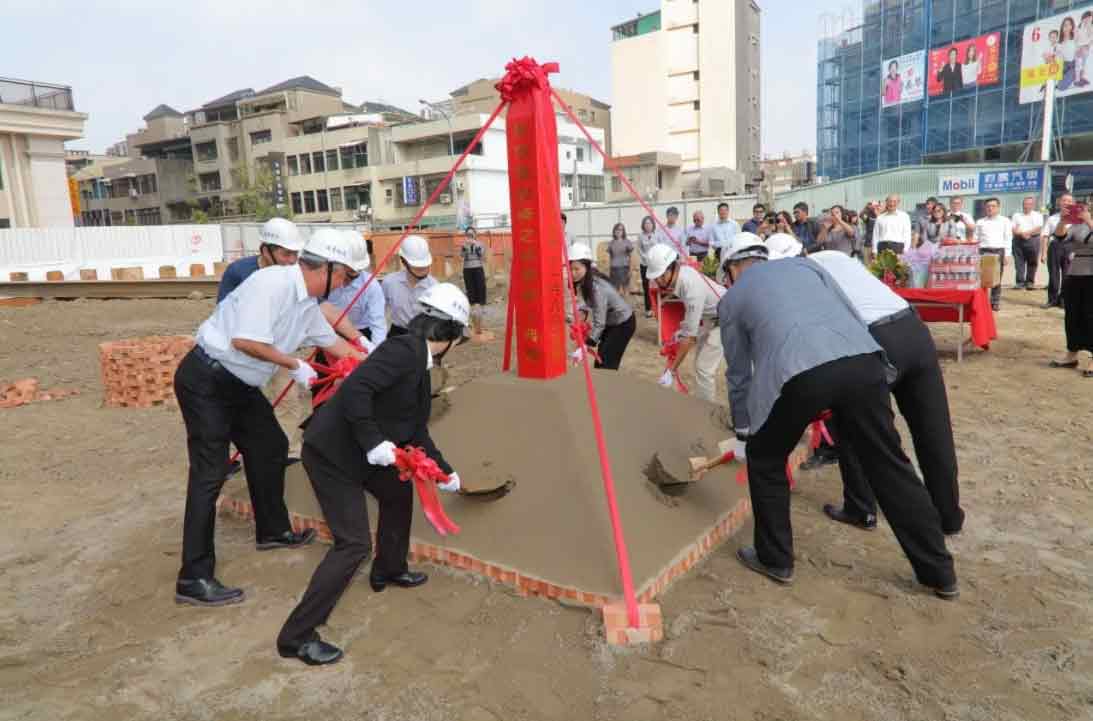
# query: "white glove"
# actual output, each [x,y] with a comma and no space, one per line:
[303,373]
[453,485]
[364,344]
[667,380]
[740,444]
[577,355]
[382,455]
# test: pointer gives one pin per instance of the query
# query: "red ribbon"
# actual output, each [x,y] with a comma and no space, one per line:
[522,75]
[414,465]
[329,377]
[819,431]
[578,331]
[670,351]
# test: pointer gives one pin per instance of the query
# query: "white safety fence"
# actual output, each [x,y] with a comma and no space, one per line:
[242,239]
[39,251]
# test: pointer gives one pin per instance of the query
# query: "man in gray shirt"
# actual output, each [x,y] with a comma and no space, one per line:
[795,347]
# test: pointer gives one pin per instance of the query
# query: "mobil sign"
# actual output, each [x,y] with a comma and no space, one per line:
[958,184]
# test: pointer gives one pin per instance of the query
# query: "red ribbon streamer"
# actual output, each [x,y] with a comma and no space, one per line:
[578,331]
[329,378]
[414,465]
[819,431]
[670,351]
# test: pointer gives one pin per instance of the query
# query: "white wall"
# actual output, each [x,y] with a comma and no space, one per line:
[49,183]
[717,81]
[639,92]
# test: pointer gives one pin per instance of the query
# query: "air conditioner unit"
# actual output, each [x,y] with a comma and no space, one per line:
[133,193]
[445,199]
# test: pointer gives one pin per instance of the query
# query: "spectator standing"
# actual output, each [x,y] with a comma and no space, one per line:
[674,238]
[993,233]
[569,239]
[473,253]
[893,228]
[783,223]
[619,251]
[1055,252]
[1027,227]
[698,237]
[1078,294]
[931,228]
[758,212]
[960,225]
[837,233]
[646,240]
[869,222]
[723,231]
[806,229]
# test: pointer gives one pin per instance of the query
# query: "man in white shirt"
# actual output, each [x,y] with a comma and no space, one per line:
[698,237]
[919,390]
[218,384]
[1027,226]
[893,227]
[958,224]
[675,238]
[994,233]
[698,330]
[723,231]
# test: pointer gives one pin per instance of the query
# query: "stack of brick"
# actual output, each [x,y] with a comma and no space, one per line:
[139,372]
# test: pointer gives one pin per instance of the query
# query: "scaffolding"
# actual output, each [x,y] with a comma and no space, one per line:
[840,31]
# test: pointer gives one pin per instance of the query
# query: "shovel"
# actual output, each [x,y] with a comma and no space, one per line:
[700,466]
[488,495]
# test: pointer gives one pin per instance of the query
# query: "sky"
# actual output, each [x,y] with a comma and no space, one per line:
[124,57]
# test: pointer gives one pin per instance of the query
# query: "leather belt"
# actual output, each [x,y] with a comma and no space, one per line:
[207,359]
[899,315]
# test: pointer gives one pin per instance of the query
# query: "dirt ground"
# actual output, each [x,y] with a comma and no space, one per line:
[92,503]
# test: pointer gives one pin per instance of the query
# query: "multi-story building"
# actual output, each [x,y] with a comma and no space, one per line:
[952,81]
[685,81]
[780,175]
[35,121]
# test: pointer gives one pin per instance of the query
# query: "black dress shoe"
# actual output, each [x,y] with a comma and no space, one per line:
[406,579]
[818,460]
[288,539]
[207,592]
[750,558]
[948,592]
[313,653]
[868,522]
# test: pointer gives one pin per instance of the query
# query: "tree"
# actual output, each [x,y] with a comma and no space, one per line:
[255,191]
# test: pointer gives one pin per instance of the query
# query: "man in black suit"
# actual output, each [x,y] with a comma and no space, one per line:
[951,76]
[349,446]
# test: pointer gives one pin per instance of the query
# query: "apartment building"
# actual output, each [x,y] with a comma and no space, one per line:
[685,81]
[35,121]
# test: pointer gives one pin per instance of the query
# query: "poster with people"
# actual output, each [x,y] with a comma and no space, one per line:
[1057,47]
[969,63]
[901,79]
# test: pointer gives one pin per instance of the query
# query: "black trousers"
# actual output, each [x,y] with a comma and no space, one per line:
[645,289]
[856,389]
[1026,258]
[920,393]
[342,501]
[474,280]
[219,409]
[613,343]
[1078,302]
[1058,261]
[395,330]
[996,291]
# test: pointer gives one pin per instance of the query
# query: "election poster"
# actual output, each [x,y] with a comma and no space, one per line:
[1057,47]
[973,62]
[902,80]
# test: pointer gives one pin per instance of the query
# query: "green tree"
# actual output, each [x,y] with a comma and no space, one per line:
[255,187]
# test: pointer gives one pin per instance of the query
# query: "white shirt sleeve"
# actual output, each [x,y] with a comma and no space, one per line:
[319,331]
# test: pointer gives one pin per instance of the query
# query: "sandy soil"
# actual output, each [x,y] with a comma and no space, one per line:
[92,500]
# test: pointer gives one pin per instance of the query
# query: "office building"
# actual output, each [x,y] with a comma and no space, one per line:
[35,121]
[685,82]
[952,81]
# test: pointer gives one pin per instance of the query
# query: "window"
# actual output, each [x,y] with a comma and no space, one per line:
[233,149]
[697,105]
[293,165]
[335,198]
[696,75]
[360,195]
[580,153]
[317,162]
[309,201]
[297,203]
[116,217]
[354,156]
[206,152]
[149,216]
[591,188]
[324,204]
[261,136]
[147,184]
[616,184]
[209,182]
[305,164]
[331,160]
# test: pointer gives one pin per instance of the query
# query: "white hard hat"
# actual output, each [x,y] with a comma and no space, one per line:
[783,245]
[281,232]
[659,258]
[330,245]
[744,245]
[359,251]
[446,301]
[415,251]
[580,251]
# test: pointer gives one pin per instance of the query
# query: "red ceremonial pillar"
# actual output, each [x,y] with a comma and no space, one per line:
[537,238]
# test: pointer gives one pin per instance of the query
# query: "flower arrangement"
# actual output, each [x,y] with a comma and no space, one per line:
[889,268]
[709,265]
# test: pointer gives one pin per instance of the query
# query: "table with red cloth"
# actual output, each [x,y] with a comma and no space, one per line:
[939,305]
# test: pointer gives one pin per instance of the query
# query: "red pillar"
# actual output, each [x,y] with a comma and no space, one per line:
[537,283]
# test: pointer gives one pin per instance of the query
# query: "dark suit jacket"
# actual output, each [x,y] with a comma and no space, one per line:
[951,79]
[387,398]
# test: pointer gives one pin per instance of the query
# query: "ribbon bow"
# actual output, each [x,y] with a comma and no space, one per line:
[522,75]
[670,351]
[329,377]
[578,331]
[414,465]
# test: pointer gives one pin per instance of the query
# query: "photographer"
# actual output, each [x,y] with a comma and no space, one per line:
[1077,286]
[959,224]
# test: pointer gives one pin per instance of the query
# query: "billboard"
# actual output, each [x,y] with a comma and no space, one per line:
[1017,180]
[901,79]
[1057,47]
[965,64]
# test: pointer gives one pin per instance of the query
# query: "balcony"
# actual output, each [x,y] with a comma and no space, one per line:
[35,95]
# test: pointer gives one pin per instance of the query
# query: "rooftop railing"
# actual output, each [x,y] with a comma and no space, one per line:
[35,95]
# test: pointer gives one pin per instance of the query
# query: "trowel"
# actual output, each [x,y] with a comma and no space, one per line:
[673,485]
[488,495]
